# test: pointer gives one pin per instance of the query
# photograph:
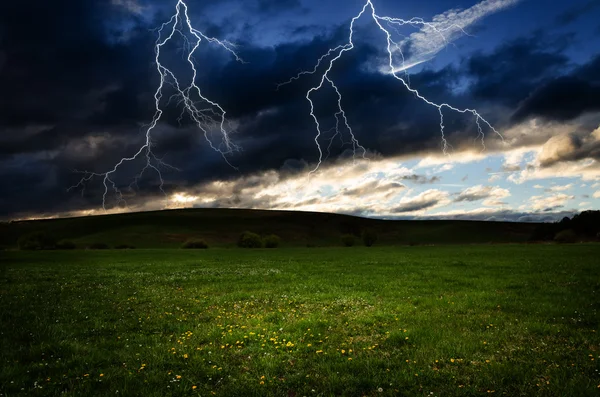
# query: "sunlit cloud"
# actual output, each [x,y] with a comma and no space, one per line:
[550,203]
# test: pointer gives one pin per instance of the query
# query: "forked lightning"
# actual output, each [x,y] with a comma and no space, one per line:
[206,114]
[328,60]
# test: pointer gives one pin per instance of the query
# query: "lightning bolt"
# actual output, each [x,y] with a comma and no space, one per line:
[386,25]
[206,114]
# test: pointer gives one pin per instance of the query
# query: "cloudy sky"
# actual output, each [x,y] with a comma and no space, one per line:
[79,78]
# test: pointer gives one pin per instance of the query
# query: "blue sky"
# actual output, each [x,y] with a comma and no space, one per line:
[82,98]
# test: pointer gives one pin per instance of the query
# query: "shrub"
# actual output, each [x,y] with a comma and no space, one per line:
[348,240]
[65,245]
[98,246]
[250,240]
[272,241]
[36,241]
[369,237]
[566,236]
[195,243]
[125,247]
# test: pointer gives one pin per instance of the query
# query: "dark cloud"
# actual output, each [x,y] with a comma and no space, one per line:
[507,216]
[514,69]
[423,201]
[271,6]
[477,193]
[420,179]
[414,206]
[388,189]
[52,75]
[78,84]
[576,12]
[565,97]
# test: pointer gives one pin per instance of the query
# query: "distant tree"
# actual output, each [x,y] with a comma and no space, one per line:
[586,223]
[566,236]
[348,240]
[249,240]
[272,241]
[369,237]
[195,243]
[545,231]
[36,241]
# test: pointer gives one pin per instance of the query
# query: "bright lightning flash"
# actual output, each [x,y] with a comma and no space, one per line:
[386,25]
[207,115]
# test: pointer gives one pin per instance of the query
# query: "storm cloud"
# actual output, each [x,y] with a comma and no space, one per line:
[79,79]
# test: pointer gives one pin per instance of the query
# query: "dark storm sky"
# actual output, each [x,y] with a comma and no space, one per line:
[77,81]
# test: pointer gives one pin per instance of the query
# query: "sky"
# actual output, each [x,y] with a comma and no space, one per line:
[79,80]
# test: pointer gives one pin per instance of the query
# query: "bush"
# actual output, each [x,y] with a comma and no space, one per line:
[272,241]
[65,245]
[250,240]
[369,237]
[566,236]
[195,243]
[348,240]
[36,241]
[125,247]
[98,246]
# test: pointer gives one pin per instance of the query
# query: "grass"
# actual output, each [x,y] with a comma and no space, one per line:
[413,321]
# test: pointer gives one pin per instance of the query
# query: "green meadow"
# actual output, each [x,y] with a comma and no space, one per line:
[462,320]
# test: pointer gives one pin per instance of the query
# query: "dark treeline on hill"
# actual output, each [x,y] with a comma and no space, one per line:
[223,227]
[582,227]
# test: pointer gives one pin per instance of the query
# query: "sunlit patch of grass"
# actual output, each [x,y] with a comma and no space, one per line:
[512,320]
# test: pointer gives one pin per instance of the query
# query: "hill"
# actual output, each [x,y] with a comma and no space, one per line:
[222,227]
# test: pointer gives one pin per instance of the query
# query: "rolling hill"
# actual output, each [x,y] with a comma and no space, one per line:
[221,227]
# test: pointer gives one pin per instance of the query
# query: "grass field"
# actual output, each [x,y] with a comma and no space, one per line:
[509,320]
